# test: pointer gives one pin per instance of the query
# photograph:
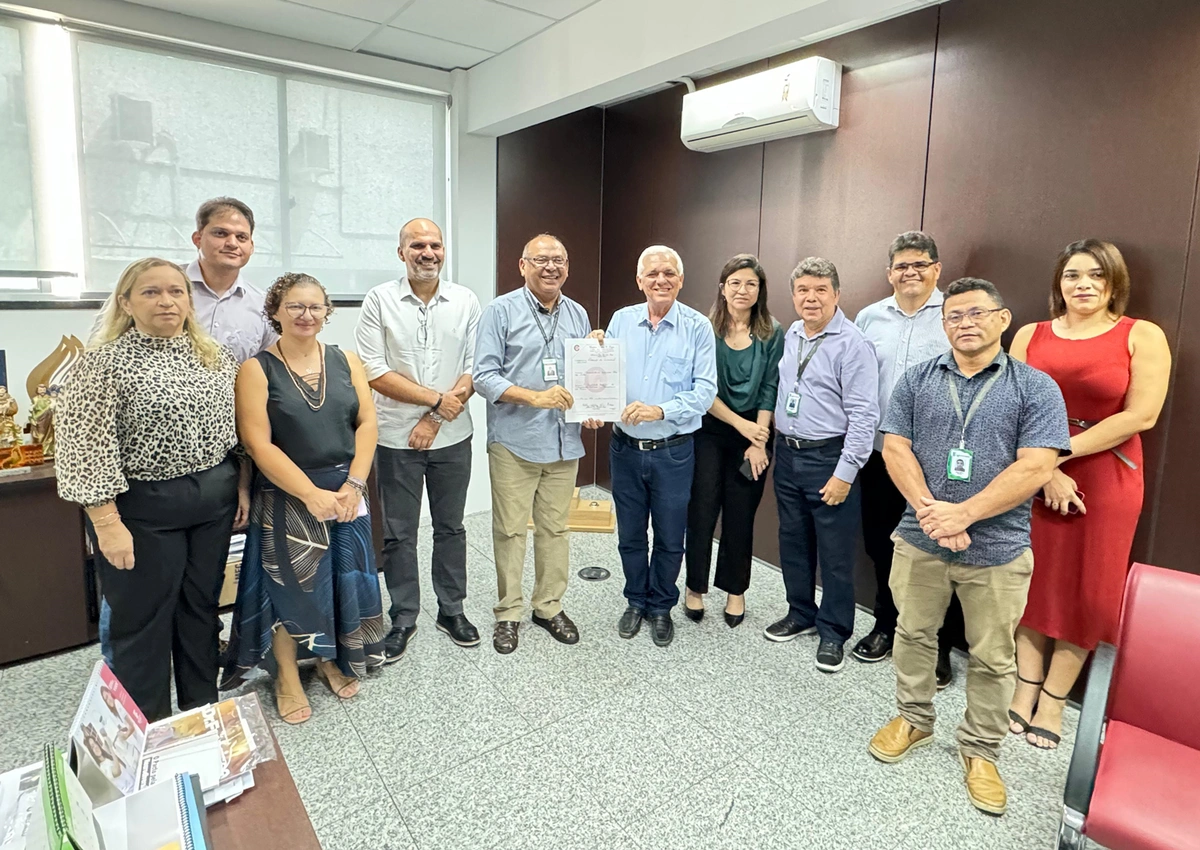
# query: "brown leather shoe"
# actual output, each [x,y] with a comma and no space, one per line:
[560,627]
[894,741]
[984,785]
[504,638]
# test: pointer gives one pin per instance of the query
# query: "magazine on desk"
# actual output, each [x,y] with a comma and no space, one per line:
[116,753]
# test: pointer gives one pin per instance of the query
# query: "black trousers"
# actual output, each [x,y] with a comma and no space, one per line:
[882,508]
[720,490]
[165,608]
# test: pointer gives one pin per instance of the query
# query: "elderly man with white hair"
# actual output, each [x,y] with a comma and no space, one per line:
[670,382]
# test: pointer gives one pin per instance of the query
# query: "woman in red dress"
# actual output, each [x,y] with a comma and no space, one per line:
[1113,373]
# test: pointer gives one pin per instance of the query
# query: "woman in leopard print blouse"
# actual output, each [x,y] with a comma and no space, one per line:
[146,429]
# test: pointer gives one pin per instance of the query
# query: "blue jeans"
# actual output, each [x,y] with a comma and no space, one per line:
[812,531]
[651,487]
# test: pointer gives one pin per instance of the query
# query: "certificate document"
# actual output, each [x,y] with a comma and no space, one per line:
[595,377]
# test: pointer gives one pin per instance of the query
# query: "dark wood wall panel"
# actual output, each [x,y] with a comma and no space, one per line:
[1039,138]
[548,181]
[1050,121]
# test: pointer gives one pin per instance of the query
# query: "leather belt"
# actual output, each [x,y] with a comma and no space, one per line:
[649,445]
[810,444]
[1085,424]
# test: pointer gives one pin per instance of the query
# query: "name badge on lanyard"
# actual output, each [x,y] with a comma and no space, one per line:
[791,405]
[549,362]
[960,461]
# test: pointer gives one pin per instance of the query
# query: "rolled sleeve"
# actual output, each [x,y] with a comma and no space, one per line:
[694,403]
[88,461]
[860,399]
[369,338]
[488,355]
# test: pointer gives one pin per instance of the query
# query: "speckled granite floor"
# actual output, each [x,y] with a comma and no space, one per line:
[722,740]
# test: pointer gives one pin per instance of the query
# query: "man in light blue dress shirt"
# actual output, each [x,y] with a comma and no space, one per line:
[906,329]
[533,452]
[827,413]
[670,382]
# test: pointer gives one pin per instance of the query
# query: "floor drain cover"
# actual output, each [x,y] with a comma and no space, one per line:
[593,574]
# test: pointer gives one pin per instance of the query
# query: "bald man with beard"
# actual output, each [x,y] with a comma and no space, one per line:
[416,338]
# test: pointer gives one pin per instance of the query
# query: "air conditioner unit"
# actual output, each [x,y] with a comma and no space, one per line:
[802,97]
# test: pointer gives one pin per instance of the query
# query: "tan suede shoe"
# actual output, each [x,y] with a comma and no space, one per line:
[893,742]
[984,785]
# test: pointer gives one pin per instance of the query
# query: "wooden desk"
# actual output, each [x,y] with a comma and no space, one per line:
[270,814]
[44,596]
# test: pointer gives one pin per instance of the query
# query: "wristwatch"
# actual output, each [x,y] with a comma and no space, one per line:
[433,414]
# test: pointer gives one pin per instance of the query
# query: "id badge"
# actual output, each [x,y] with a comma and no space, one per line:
[958,464]
[792,405]
[549,369]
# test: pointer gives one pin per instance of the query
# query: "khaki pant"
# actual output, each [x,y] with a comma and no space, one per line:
[520,487]
[993,600]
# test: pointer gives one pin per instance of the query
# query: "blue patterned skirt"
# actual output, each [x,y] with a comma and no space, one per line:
[316,579]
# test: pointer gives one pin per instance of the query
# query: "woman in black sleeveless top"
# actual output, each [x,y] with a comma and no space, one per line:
[308,585]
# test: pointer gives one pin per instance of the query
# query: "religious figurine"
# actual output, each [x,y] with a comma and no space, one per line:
[41,420]
[10,433]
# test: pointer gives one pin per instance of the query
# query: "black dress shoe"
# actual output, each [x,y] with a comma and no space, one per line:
[459,628]
[830,658]
[662,629]
[786,629]
[630,622]
[504,638]
[875,647]
[945,673]
[696,614]
[559,626]
[734,620]
[396,642]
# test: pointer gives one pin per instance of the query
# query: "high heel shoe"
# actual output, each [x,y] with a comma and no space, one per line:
[695,614]
[734,620]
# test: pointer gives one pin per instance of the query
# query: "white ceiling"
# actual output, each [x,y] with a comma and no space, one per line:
[443,34]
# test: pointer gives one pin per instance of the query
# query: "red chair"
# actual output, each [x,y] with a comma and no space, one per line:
[1134,780]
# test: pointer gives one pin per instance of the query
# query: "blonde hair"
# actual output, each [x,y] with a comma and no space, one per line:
[117,321]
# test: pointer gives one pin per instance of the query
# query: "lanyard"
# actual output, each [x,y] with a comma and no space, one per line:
[548,337]
[962,441]
[803,364]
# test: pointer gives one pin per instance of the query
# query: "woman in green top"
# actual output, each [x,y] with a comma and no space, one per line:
[733,445]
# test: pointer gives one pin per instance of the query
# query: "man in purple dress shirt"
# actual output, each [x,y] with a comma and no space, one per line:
[826,413]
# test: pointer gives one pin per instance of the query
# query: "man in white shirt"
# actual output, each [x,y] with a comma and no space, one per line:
[416,338]
[906,329]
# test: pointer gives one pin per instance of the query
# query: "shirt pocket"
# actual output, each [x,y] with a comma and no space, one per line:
[677,371]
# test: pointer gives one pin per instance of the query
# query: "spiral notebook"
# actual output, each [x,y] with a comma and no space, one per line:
[166,816]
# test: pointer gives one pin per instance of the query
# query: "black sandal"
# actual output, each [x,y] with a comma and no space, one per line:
[1039,732]
[1018,719]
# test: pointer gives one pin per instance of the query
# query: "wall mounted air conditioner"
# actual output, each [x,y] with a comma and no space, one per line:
[801,97]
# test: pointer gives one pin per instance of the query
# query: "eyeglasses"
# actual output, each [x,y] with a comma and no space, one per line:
[975,314]
[542,262]
[921,266]
[741,285]
[317,311]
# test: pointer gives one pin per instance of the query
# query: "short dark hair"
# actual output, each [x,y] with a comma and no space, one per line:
[974,284]
[215,205]
[279,290]
[816,267]
[761,323]
[913,240]
[1116,274]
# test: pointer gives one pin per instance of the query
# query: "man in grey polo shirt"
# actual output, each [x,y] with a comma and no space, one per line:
[971,435]
[533,452]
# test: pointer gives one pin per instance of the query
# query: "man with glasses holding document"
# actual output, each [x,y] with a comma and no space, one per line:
[416,338]
[533,451]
